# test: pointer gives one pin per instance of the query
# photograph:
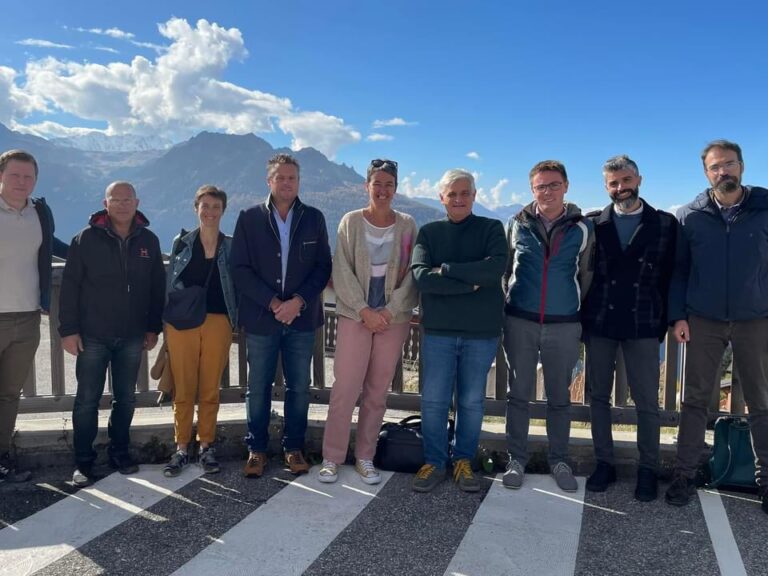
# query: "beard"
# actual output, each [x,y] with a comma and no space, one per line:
[728,184]
[625,204]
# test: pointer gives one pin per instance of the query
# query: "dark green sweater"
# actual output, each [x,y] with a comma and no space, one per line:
[469,253]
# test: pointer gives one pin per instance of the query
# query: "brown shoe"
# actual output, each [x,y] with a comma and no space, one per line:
[296,463]
[254,468]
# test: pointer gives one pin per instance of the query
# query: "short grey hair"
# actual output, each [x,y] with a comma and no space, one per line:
[620,162]
[117,183]
[278,160]
[452,176]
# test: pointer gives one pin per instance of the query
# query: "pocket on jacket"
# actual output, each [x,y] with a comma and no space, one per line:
[308,250]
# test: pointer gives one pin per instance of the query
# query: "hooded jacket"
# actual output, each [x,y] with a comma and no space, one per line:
[113,287]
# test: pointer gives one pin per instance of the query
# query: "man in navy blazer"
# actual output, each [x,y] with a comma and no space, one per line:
[281,263]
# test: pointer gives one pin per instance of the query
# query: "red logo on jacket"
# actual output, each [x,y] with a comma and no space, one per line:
[143,252]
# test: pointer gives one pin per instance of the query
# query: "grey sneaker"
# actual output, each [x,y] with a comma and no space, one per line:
[513,475]
[83,475]
[329,472]
[176,465]
[208,460]
[564,477]
[427,478]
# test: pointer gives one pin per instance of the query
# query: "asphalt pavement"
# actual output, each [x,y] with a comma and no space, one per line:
[225,524]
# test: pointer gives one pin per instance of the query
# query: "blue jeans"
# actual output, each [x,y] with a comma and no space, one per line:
[91,370]
[445,360]
[296,348]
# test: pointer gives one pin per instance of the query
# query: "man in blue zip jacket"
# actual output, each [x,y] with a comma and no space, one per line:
[26,240]
[281,263]
[112,297]
[719,295]
[548,275]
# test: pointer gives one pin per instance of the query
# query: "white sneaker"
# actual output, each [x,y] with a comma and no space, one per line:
[368,473]
[329,472]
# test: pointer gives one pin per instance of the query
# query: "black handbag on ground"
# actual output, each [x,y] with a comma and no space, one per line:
[400,447]
[186,308]
[732,462]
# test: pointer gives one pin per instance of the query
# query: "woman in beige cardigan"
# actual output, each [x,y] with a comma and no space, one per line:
[375,296]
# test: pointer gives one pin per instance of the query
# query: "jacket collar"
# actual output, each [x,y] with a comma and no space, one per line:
[100,219]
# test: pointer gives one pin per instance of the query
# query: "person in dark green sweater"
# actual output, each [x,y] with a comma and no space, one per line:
[458,264]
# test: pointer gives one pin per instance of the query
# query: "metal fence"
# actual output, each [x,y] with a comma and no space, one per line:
[404,393]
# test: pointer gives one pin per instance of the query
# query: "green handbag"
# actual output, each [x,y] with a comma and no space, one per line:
[732,462]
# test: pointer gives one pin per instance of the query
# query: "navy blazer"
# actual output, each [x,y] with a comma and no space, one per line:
[257,267]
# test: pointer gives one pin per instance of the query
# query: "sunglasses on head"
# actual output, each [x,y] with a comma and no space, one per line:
[379,163]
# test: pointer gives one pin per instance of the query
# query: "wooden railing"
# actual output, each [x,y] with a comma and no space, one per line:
[406,386]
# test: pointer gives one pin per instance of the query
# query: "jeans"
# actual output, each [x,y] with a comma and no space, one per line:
[465,361]
[91,369]
[296,349]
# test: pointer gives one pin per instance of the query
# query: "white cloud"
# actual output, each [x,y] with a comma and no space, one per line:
[424,188]
[326,133]
[376,137]
[674,208]
[473,155]
[392,122]
[111,32]
[106,49]
[37,43]
[174,95]
[49,129]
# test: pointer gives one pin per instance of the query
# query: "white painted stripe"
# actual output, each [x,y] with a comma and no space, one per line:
[721,535]
[291,529]
[521,532]
[54,532]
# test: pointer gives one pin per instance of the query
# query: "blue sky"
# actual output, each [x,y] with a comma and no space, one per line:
[489,86]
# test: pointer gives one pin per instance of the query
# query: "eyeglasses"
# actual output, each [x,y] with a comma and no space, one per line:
[552,187]
[379,163]
[728,166]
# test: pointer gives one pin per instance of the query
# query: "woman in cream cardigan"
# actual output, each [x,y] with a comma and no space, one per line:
[375,296]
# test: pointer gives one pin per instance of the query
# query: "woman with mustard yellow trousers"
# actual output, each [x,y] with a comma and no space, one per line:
[199,355]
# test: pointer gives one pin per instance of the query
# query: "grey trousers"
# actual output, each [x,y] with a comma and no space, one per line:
[19,338]
[641,358]
[709,338]
[558,347]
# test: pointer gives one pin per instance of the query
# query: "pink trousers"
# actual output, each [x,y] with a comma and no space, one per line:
[363,368]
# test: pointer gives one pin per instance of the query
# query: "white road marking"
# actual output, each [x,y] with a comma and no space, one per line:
[533,530]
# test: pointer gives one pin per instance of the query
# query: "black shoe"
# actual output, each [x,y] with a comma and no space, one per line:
[603,476]
[647,488]
[763,493]
[83,475]
[680,491]
[8,471]
[123,463]
[208,460]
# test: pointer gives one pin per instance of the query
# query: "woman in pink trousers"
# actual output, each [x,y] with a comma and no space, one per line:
[375,296]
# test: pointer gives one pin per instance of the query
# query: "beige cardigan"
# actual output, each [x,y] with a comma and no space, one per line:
[352,268]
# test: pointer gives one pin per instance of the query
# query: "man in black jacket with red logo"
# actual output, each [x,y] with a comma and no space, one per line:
[112,297]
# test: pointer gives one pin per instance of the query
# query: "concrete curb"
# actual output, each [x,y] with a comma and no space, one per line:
[47,444]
